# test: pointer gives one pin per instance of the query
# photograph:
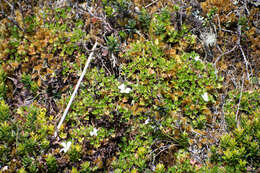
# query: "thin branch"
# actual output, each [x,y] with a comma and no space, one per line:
[237,118]
[11,18]
[10,5]
[223,121]
[103,64]
[225,30]
[151,3]
[14,22]
[114,60]
[22,13]
[103,19]
[240,47]
[219,25]
[75,90]
[246,62]
[162,149]
[225,53]
[2,8]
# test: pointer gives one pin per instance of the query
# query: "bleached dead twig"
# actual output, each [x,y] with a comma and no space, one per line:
[151,3]
[242,51]
[241,92]
[225,53]
[75,90]
[103,18]
[246,62]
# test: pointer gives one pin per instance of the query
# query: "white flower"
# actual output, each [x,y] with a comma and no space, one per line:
[137,10]
[5,168]
[124,89]
[197,15]
[235,2]
[197,58]
[66,146]
[201,18]
[205,97]
[94,132]
[147,121]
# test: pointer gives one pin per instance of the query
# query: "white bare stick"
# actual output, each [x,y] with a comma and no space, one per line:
[75,90]
[225,53]
[241,92]
[151,4]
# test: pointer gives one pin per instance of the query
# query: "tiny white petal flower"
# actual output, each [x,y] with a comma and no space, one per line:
[94,132]
[137,10]
[235,2]
[5,168]
[201,18]
[205,97]
[147,121]
[197,58]
[124,89]
[127,90]
[121,87]
[66,146]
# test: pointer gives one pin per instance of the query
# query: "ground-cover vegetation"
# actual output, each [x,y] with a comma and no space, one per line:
[173,86]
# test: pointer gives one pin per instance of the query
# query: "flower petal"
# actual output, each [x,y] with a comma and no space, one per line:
[205,97]
[147,121]
[127,90]
[121,87]
[94,132]
[66,146]
[197,58]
